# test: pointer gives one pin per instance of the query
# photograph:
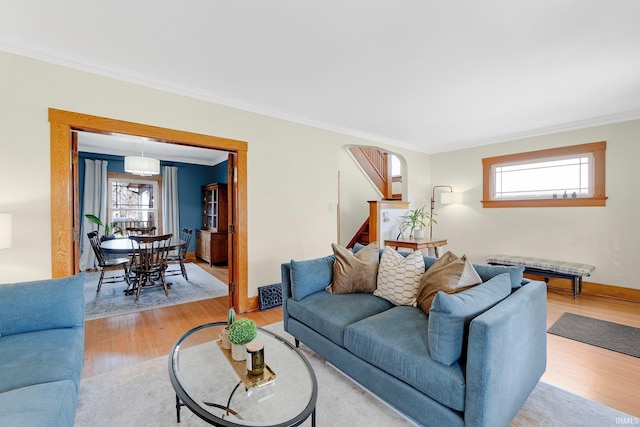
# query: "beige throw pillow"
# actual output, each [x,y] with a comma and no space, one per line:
[399,277]
[354,272]
[449,274]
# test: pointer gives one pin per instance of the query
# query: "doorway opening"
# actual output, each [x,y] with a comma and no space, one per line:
[64,190]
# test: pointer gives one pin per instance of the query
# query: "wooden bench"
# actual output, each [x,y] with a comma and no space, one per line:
[548,268]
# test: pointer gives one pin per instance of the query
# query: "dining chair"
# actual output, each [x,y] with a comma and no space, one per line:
[185,236]
[149,262]
[106,264]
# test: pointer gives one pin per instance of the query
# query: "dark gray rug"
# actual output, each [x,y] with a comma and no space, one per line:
[600,333]
[111,300]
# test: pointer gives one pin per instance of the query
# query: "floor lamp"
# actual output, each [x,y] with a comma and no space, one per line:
[445,198]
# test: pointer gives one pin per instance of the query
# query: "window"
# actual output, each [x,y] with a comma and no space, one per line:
[566,176]
[396,167]
[134,201]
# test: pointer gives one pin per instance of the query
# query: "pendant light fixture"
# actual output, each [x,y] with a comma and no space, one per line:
[143,166]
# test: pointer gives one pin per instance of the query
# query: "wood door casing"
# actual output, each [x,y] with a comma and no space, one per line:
[63,259]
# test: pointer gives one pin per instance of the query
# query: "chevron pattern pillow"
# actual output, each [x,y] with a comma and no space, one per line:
[399,277]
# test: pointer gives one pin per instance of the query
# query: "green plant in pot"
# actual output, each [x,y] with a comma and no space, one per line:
[241,332]
[416,219]
[109,228]
[224,335]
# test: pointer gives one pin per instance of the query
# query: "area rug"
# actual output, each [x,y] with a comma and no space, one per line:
[142,395]
[111,300]
[600,333]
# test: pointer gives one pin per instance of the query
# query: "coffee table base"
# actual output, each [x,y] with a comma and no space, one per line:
[179,405]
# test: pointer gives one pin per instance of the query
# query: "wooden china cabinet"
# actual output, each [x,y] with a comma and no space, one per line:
[211,240]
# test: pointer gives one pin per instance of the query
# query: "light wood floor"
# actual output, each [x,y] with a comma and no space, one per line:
[604,376]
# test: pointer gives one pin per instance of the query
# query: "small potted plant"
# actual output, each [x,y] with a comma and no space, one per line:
[416,219]
[108,228]
[224,335]
[241,333]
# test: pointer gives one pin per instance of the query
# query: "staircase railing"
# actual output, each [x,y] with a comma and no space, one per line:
[375,163]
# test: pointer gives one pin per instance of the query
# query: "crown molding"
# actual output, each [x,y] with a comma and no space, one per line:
[75,62]
[64,59]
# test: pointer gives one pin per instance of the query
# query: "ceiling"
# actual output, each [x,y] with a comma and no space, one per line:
[127,145]
[428,75]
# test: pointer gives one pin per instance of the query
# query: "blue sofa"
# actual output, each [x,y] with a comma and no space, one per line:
[41,351]
[386,348]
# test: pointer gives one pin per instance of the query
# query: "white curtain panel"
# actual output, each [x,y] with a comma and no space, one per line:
[94,202]
[170,211]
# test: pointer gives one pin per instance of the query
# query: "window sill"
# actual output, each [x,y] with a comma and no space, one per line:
[545,203]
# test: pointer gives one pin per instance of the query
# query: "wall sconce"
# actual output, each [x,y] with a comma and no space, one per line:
[5,231]
[446,198]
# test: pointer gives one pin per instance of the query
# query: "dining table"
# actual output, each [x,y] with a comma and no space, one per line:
[126,246]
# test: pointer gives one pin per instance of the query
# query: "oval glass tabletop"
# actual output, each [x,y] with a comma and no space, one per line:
[221,392]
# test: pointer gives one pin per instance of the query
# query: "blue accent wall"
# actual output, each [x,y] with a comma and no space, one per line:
[190,180]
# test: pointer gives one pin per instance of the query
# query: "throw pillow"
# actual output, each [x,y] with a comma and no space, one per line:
[399,277]
[449,274]
[310,276]
[354,272]
[450,316]
[486,272]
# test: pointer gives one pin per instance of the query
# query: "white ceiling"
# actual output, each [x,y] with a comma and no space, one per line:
[127,145]
[423,74]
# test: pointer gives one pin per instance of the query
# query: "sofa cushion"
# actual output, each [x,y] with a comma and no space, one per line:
[399,276]
[41,356]
[32,306]
[329,314]
[40,405]
[354,272]
[396,341]
[451,314]
[486,272]
[448,274]
[310,276]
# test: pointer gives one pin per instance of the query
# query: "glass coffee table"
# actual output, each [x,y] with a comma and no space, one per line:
[221,392]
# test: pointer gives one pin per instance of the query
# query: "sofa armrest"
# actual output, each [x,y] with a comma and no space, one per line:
[506,357]
[286,292]
[43,304]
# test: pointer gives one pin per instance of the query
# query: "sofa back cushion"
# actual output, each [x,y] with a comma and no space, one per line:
[486,272]
[310,276]
[42,304]
[450,315]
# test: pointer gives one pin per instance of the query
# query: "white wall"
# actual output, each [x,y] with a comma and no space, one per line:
[292,169]
[292,180]
[356,189]
[606,237]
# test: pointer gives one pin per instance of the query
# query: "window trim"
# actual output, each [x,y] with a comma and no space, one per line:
[129,177]
[599,198]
